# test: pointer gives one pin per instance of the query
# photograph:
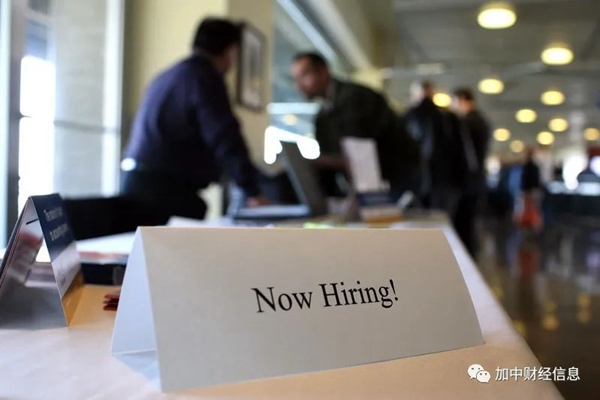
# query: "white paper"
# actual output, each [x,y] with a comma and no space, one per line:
[364,164]
[197,289]
[181,222]
[135,317]
[115,244]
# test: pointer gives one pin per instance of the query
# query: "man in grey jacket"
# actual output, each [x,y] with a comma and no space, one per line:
[351,110]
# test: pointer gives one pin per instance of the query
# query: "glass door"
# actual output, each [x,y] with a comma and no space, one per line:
[65,100]
[37,104]
[12,33]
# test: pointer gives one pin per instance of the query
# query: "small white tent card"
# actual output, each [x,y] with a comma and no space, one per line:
[212,306]
[374,200]
[364,164]
[40,274]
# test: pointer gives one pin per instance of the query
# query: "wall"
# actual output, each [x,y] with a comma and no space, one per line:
[83,136]
[347,25]
[353,14]
[253,123]
[370,77]
[158,33]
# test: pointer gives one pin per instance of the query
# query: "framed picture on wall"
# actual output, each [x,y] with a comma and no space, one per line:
[251,69]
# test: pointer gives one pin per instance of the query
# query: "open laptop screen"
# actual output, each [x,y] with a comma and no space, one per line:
[304,178]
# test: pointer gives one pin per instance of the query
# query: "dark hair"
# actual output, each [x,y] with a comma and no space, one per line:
[215,36]
[464,94]
[427,85]
[315,59]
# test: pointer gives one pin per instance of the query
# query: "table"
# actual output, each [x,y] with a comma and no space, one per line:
[119,244]
[75,362]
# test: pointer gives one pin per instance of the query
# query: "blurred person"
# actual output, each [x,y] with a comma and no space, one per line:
[476,134]
[590,173]
[185,133]
[557,174]
[437,132]
[476,126]
[531,178]
[588,176]
[351,110]
[545,162]
[528,215]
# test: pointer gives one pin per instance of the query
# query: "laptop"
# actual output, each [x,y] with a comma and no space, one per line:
[305,182]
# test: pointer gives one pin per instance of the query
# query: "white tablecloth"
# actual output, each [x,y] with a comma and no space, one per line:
[75,362]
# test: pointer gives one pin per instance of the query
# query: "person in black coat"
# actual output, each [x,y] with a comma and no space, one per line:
[476,136]
[529,214]
[351,110]
[530,175]
[437,132]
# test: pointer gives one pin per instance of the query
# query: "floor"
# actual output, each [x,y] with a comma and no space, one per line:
[549,283]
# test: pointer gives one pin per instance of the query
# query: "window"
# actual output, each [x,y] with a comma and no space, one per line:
[66,125]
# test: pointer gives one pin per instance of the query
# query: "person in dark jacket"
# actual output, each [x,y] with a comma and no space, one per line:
[529,215]
[185,133]
[437,131]
[351,110]
[530,175]
[476,133]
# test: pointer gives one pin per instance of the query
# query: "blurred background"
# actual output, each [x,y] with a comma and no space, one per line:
[72,74]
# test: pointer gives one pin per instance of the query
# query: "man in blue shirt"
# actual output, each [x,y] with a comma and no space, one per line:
[185,134]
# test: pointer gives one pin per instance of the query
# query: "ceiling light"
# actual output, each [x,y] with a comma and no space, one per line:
[502,135]
[558,125]
[545,138]
[553,98]
[517,146]
[290,119]
[491,86]
[526,116]
[591,134]
[442,100]
[497,15]
[557,55]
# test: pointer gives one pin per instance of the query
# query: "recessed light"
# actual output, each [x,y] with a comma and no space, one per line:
[558,125]
[591,134]
[557,55]
[442,100]
[491,86]
[545,138]
[516,146]
[526,116]
[502,134]
[497,15]
[290,119]
[553,98]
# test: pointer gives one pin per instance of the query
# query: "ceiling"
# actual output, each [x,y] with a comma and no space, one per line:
[440,40]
